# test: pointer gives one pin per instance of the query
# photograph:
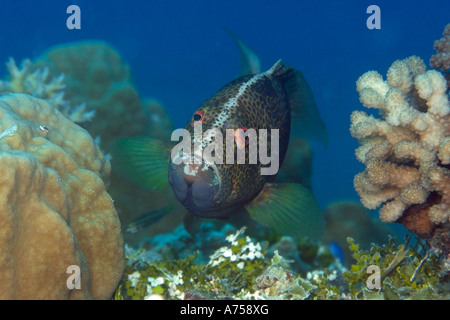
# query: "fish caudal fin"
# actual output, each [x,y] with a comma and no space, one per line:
[250,62]
[305,117]
[144,160]
[289,208]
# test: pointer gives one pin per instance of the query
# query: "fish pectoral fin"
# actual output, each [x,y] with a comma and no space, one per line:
[148,218]
[192,223]
[289,208]
[144,160]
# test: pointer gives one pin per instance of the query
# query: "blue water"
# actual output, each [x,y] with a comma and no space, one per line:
[179,53]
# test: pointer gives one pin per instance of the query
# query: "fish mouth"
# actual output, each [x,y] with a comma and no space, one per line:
[195,186]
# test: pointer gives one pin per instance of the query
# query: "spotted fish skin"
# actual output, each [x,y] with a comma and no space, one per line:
[279,98]
[257,101]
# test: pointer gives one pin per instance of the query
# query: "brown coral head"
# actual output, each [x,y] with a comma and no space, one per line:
[439,242]
[416,218]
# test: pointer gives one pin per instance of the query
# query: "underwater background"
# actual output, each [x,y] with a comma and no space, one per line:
[178,53]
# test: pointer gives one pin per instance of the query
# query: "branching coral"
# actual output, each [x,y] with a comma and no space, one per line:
[37,83]
[441,60]
[241,269]
[405,272]
[406,150]
[54,208]
[95,74]
[231,269]
[277,282]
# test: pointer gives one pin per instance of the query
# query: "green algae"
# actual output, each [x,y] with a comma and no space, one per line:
[240,270]
[243,269]
[405,272]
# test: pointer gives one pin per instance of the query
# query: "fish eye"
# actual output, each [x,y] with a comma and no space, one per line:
[244,128]
[198,116]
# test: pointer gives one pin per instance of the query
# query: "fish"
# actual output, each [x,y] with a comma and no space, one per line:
[148,218]
[277,101]
[337,252]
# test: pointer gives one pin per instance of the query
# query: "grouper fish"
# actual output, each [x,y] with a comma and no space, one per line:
[278,98]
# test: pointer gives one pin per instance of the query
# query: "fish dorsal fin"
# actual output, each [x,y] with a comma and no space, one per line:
[289,208]
[306,121]
[250,62]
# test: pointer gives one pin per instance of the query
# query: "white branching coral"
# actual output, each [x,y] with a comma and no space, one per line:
[240,250]
[405,149]
[37,83]
[277,282]
[174,282]
[134,278]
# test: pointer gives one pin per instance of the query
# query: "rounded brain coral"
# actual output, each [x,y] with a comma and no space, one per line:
[54,208]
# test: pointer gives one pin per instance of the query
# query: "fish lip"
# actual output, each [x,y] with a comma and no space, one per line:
[188,200]
[212,213]
[213,166]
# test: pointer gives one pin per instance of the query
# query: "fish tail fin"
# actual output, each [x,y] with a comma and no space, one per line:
[144,160]
[289,208]
[250,62]
[305,117]
[148,219]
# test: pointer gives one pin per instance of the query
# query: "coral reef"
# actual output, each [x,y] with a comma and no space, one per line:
[441,60]
[37,83]
[405,272]
[131,200]
[178,244]
[238,267]
[350,219]
[54,207]
[229,270]
[277,282]
[159,124]
[95,74]
[304,255]
[406,150]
